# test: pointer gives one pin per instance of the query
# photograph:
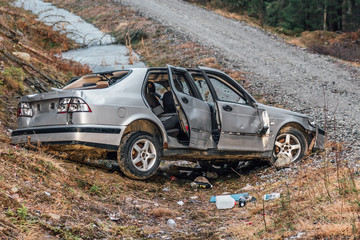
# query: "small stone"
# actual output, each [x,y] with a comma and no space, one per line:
[171,223]
[201,180]
[54,216]
[248,187]
[300,235]
[22,55]
[212,175]
[14,189]
[282,161]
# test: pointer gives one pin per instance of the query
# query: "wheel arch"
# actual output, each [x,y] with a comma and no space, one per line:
[149,126]
[299,127]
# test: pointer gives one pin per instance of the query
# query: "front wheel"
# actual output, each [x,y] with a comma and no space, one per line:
[139,155]
[290,146]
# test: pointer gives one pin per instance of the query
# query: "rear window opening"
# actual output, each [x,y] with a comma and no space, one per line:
[97,80]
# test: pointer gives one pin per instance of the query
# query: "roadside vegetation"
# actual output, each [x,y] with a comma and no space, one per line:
[46,196]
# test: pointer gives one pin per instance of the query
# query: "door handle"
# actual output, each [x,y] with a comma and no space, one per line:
[227,108]
[184,99]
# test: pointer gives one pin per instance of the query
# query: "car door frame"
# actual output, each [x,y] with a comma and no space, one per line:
[194,109]
[238,140]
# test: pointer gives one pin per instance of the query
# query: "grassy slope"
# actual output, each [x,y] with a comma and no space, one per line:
[45,196]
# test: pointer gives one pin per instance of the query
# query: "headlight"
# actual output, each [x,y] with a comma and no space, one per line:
[312,122]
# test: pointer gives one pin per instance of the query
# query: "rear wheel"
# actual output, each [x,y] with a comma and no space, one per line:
[290,146]
[139,155]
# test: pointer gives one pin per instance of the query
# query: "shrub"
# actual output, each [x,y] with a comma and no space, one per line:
[12,79]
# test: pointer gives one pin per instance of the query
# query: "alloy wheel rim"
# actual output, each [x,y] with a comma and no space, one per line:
[287,145]
[143,155]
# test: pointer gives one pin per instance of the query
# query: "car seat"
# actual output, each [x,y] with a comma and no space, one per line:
[152,100]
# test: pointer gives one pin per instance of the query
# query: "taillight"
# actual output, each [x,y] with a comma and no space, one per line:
[71,105]
[24,110]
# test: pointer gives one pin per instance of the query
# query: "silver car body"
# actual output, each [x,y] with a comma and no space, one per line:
[245,129]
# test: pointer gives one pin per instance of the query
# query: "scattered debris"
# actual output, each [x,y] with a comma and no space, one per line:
[114,216]
[180,203]
[201,182]
[242,202]
[224,202]
[247,188]
[236,197]
[14,189]
[54,216]
[271,196]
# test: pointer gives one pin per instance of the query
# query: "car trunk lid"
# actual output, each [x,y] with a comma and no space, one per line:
[44,109]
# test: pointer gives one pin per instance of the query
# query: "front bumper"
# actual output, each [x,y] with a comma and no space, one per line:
[320,139]
[101,136]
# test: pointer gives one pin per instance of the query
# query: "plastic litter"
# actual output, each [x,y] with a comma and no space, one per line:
[200,185]
[200,182]
[224,202]
[236,197]
[242,202]
[271,196]
[180,203]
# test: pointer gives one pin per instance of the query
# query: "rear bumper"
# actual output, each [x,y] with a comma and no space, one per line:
[101,136]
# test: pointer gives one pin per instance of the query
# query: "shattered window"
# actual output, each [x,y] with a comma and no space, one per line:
[182,84]
[97,80]
[224,92]
[203,88]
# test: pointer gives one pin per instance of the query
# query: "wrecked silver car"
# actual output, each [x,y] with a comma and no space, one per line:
[142,115]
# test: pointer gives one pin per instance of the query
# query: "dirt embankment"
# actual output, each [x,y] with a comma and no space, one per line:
[29,60]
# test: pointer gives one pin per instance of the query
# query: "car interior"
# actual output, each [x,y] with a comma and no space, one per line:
[159,96]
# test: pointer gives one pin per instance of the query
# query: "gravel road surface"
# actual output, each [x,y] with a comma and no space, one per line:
[287,74]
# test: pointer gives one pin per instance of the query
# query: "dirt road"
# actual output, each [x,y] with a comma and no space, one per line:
[288,74]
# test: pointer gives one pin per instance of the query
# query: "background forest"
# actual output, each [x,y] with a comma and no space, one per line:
[297,16]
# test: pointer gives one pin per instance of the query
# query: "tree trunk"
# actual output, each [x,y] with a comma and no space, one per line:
[343,15]
[325,17]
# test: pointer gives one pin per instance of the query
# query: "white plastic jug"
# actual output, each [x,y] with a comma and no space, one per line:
[225,202]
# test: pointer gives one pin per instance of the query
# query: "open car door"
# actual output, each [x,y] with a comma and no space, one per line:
[243,127]
[193,112]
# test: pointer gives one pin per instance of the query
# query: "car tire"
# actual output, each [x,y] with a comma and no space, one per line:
[290,146]
[139,155]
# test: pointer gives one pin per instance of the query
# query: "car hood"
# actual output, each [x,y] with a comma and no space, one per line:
[279,112]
